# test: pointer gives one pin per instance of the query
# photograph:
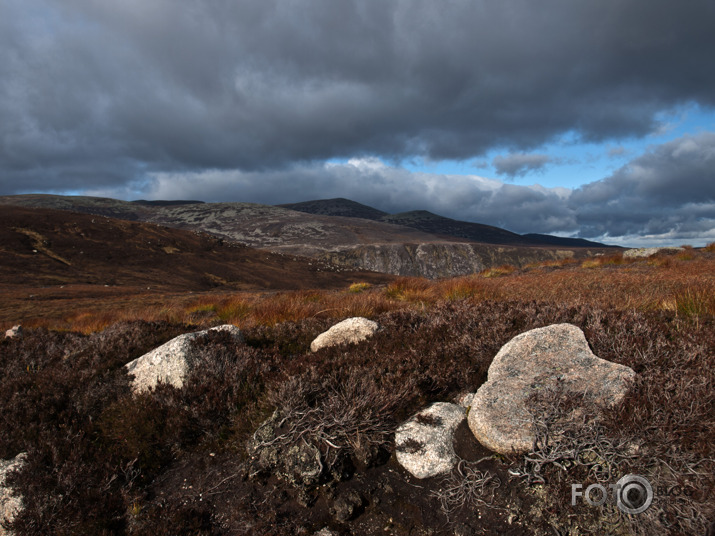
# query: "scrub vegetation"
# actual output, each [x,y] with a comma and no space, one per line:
[178,461]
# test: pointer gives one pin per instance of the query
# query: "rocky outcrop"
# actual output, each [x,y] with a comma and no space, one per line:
[647,252]
[438,259]
[431,260]
[424,443]
[10,503]
[350,330]
[169,362]
[552,357]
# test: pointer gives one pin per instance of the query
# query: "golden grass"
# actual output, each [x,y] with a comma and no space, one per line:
[504,269]
[683,284]
[359,287]
[555,263]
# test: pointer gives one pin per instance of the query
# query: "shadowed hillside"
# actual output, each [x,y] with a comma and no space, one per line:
[432,223]
[42,247]
[337,207]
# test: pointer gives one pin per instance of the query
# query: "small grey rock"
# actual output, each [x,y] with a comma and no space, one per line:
[325,531]
[424,443]
[14,332]
[463,530]
[351,330]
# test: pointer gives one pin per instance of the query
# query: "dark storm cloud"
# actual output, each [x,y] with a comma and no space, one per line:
[94,94]
[519,164]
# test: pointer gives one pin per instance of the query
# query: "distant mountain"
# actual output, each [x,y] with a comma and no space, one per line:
[165,203]
[337,207]
[438,225]
[562,241]
[415,243]
[432,223]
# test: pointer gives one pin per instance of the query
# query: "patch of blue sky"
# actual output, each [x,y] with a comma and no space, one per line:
[573,162]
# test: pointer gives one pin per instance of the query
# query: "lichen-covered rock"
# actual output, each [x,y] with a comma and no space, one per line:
[351,330]
[10,502]
[552,357]
[301,465]
[263,449]
[425,443]
[169,362]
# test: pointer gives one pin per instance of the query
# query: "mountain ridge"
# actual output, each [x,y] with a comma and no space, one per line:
[401,245]
[432,223]
[337,206]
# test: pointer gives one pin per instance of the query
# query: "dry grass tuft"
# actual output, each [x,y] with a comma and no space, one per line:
[600,261]
[359,287]
[409,289]
[504,269]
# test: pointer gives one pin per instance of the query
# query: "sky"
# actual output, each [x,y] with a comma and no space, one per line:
[592,119]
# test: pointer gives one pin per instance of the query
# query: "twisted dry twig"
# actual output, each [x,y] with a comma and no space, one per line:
[466,486]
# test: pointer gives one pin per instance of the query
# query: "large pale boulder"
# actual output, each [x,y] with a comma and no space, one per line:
[10,502]
[553,357]
[169,362]
[424,444]
[351,330]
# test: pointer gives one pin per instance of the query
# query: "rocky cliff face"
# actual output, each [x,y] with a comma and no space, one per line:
[434,260]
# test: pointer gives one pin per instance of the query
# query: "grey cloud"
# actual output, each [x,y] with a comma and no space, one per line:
[671,187]
[665,196]
[102,93]
[519,164]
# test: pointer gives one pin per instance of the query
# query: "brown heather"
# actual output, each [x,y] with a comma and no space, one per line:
[173,461]
[683,283]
